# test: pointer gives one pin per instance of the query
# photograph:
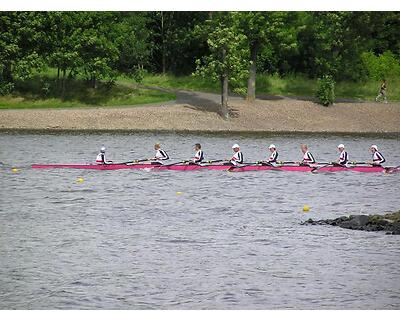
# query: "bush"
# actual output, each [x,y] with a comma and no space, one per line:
[381,67]
[326,90]
[6,88]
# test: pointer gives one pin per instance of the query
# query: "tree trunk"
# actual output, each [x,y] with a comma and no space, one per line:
[58,74]
[251,82]
[7,73]
[224,96]
[63,83]
[163,44]
[224,89]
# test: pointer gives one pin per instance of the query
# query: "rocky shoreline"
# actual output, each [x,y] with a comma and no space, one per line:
[390,223]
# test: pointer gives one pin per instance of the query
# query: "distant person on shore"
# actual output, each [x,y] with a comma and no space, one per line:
[161,155]
[199,156]
[377,157]
[308,158]
[101,157]
[382,92]
[343,157]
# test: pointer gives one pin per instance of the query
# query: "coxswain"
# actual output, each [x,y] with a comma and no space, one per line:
[237,157]
[161,155]
[101,157]
[343,157]
[377,157]
[308,158]
[199,156]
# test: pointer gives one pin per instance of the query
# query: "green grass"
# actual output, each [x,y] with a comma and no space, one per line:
[291,85]
[395,217]
[182,82]
[33,94]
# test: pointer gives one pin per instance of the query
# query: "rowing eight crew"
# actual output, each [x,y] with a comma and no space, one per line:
[237,158]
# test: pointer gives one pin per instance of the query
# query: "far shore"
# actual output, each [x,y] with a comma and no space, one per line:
[197,112]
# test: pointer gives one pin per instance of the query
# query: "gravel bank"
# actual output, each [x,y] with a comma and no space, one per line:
[198,113]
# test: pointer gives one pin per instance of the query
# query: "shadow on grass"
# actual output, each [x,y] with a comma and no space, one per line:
[41,88]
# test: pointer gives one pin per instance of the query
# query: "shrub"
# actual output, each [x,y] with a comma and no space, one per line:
[6,88]
[383,66]
[326,90]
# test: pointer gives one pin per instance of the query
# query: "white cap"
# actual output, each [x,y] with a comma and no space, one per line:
[103,149]
[271,146]
[341,145]
[374,146]
[235,146]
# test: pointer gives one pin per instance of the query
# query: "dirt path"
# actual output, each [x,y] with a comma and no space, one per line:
[198,111]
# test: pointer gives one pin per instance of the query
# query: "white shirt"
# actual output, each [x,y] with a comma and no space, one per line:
[198,157]
[308,158]
[161,155]
[273,157]
[101,158]
[237,158]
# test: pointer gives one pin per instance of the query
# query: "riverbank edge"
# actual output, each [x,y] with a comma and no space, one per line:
[393,135]
[389,223]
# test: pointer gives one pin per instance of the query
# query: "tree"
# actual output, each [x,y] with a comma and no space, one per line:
[176,46]
[19,45]
[228,58]
[264,29]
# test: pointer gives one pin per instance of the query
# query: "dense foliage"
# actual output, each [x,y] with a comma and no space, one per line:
[326,90]
[222,45]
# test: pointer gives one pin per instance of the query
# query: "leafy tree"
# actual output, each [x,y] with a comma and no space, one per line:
[228,58]
[265,31]
[19,37]
[176,45]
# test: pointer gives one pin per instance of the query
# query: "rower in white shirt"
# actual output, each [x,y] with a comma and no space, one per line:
[274,154]
[101,157]
[161,155]
[377,157]
[237,157]
[308,158]
[199,156]
[343,157]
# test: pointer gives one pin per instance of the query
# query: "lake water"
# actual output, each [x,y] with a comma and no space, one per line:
[230,240]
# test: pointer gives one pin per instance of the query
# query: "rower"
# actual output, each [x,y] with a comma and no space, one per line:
[237,157]
[308,158]
[377,157]
[199,156]
[161,155]
[101,157]
[343,158]
[274,154]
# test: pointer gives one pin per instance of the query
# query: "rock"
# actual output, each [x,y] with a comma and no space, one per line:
[389,222]
[359,220]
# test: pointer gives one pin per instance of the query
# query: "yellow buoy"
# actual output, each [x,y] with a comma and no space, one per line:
[14,170]
[80,180]
[178,193]
[306,208]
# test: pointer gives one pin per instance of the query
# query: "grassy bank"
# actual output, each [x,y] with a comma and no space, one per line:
[291,85]
[45,92]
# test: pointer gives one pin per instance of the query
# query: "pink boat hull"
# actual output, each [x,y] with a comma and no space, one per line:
[182,167]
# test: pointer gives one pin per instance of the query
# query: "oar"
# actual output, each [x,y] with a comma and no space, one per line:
[286,162]
[356,162]
[324,165]
[392,169]
[213,161]
[132,162]
[265,163]
[172,164]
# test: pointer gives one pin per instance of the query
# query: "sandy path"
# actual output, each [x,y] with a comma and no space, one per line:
[195,111]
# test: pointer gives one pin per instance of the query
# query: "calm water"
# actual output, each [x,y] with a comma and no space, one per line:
[126,240]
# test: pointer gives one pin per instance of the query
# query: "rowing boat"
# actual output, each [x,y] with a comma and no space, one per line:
[193,167]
